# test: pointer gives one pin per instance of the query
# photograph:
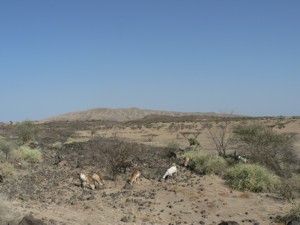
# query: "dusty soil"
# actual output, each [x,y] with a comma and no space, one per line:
[52,191]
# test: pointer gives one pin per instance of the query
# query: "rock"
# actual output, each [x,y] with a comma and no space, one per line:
[125,219]
[228,223]
[293,222]
[30,220]
[127,186]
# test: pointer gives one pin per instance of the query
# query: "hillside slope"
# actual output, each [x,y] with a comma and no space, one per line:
[120,114]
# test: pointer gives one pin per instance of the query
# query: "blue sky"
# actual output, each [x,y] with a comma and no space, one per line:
[63,56]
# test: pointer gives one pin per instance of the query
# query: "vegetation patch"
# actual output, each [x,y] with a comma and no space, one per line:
[289,188]
[251,177]
[7,170]
[28,154]
[7,211]
[71,140]
[204,163]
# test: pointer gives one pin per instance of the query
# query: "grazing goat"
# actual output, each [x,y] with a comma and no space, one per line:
[171,171]
[134,175]
[186,161]
[86,180]
[242,159]
[98,178]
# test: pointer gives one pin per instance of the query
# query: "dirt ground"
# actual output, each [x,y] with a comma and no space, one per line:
[53,193]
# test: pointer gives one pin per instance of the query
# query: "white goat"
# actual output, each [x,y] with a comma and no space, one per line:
[242,159]
[171,171]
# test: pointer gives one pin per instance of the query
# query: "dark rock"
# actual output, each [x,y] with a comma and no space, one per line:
[293,222]
[30,220]
[228,223]
[125,219]
[127,186]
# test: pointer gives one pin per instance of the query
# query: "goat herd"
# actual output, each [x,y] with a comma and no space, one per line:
[96,178]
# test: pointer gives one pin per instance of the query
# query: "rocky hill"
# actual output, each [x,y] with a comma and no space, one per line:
[121,114]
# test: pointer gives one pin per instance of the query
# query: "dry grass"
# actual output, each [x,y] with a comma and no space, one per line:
[8,212]
[245,194]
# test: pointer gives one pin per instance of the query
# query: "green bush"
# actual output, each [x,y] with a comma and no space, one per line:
[251,177]
[264,146]
[27,154]
[204,163]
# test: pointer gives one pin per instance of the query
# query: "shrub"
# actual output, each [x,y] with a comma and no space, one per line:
[119,156]
[289,188]
[207,164]
[7,169]
[26,131]
[268,148]
[5,147]
[251,177]
[27,154]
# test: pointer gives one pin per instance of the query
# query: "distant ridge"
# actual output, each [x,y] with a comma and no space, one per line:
[121,114]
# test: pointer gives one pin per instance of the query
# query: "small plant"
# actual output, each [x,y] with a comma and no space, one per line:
[28,154]
[251,177]
[193,141]
[71,140]
[57,145]
[7,169]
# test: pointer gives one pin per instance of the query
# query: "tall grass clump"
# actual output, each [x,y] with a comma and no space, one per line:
[204,163]
[28,154]
[251,177]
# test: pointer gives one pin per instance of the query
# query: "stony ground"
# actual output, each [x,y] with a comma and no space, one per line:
[52,192]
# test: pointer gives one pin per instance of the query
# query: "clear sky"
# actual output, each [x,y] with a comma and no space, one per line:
[60,56]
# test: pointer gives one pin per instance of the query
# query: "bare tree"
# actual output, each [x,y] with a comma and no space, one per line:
[119,157]
[220,133]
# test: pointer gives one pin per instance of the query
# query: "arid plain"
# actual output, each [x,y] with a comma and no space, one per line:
[50,190]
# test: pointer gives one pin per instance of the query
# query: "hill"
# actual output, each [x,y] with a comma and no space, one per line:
[122,114]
